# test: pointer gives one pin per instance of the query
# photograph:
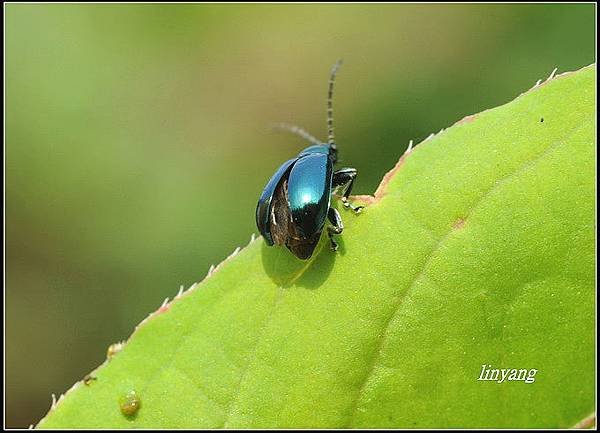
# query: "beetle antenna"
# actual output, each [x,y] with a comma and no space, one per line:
[296,130]
[330,135]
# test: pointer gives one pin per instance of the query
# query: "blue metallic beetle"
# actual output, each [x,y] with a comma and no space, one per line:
[295,204]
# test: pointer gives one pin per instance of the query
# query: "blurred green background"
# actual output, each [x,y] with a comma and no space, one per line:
[138,140]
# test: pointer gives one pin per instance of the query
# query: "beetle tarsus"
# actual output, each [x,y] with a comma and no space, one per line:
[336,228]
[331,231]
[348,205]
[334,245]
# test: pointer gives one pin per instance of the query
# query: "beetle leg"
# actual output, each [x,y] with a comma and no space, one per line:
[344,178]
[336,228]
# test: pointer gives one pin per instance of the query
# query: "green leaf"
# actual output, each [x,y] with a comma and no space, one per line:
[477,249]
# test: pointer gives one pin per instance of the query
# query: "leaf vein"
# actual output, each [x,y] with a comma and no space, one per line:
[397,306]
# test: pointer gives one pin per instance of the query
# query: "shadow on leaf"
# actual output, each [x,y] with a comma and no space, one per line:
[286,270]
